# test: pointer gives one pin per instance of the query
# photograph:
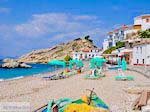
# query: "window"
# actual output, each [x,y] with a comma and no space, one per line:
[143,61]
[136,49]
[137,61]
[141,49]
[147,20]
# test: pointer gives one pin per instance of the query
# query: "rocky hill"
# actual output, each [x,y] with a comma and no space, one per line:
[57,52]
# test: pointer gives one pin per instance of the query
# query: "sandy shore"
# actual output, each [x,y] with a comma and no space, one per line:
[38,91]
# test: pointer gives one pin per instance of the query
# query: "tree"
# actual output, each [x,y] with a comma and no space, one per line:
[145,34]
[87,37]
[77,39]
[67,58]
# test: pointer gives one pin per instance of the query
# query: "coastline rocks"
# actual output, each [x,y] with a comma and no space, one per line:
[24,65]
[8,60]
[10,63]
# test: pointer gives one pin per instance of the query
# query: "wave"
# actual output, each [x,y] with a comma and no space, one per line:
[20,77]
[1,80]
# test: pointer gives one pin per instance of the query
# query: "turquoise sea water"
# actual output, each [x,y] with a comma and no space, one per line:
[19,72]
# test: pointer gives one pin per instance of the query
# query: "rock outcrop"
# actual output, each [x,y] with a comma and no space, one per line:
[24,65]
[57,52]
[10,63]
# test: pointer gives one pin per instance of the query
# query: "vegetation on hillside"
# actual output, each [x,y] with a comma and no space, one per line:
[118,45]
[67,59]
[145,34]
[88,38]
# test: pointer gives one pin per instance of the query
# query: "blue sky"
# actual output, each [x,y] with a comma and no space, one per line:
[27,25]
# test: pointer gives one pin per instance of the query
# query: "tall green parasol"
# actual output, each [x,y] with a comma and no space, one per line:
[124,64]
[57,63]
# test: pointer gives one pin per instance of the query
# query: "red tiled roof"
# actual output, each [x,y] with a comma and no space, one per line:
[125,26]
[110,33]
[85,50]
[88,50]
[116,30]
[121,28]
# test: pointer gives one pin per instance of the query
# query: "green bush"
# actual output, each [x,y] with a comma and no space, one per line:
[145,34]
[87,37]
[67,58]
[109,50]
[120,44]
[77,39]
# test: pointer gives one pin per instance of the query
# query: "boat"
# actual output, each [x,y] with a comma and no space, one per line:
[114,67]
[85,104]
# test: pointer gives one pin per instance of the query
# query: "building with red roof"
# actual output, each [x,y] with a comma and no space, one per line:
[127,32]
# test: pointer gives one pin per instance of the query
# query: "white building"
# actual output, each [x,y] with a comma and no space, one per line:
[141,53]
[143,20]
[87,54]
[125,32]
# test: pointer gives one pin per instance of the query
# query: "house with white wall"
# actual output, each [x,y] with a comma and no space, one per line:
[141,53]
[143,20]
[127,32]
[87,54]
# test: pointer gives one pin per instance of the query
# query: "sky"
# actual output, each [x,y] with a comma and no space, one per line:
[27,25]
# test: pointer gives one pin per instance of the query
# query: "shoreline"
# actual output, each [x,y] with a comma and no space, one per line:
[34,75]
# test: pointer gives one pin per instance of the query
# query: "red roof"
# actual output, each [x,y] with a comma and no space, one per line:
[125,26]
[116,30]
[85,50]
[88,50]
[110,33]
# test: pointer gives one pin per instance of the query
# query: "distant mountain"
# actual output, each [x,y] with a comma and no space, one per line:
[57,52]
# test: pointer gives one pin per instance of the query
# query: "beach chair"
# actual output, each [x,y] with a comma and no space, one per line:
[122,76]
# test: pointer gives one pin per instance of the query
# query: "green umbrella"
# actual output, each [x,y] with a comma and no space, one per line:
[78,63]
[97,61]
[124,64]
[57,63]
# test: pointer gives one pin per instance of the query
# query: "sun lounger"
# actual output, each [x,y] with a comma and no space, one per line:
[122,76]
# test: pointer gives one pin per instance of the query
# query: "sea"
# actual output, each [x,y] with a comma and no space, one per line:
[15,73]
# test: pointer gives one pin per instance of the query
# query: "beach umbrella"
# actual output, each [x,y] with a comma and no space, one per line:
[70,64]
[57,63]
[124,64]
[78,63]
[92,61]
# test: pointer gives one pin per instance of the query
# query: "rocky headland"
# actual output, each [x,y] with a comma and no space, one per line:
[57,52]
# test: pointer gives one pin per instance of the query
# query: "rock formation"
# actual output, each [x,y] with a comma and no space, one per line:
[10,63]
[57,52]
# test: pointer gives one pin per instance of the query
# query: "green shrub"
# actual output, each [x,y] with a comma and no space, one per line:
[77,39]
[67,58]
[120,44]
[145,34]
[87,37]
[109,50]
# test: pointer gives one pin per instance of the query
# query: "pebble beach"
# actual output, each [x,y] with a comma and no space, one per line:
[38,91]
